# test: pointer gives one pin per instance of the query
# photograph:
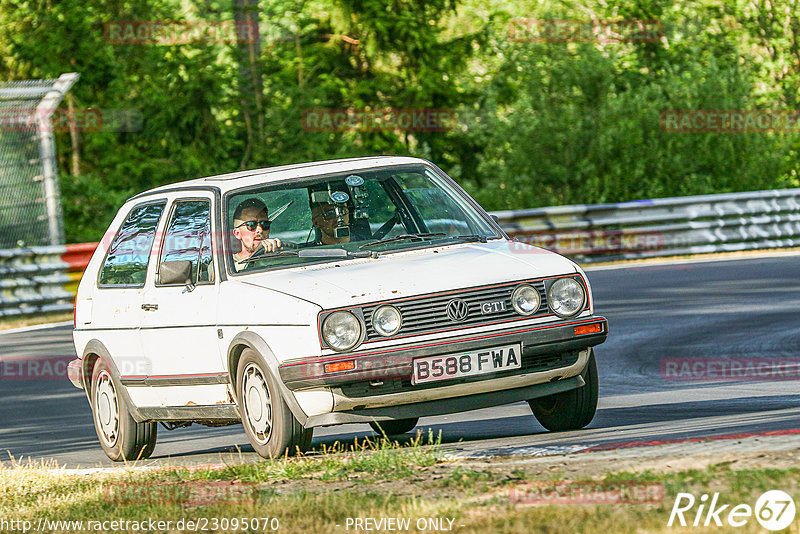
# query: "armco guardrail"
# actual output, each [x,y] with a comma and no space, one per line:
[662,227]
[32,281]
[43,279]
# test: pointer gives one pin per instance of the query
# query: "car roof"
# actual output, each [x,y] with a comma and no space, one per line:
[236,180]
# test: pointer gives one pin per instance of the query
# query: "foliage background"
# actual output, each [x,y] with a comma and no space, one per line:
[539,123]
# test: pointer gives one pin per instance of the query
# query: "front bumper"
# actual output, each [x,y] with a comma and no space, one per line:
[396,362]
[382,378]
[463,403]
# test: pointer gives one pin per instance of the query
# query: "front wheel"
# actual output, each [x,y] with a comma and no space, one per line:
[395,427]
[121,437]
[573,409]
[268,422]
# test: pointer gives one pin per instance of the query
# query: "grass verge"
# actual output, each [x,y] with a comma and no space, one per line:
[376,480]
[33,320]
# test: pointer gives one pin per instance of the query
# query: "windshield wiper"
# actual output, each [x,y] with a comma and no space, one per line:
[404,237]
[469,238]
[331,253]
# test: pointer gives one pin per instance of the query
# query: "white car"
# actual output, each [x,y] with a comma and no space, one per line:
[369,290]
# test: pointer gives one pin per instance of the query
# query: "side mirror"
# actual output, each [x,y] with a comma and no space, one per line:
[177,272]
[495,218]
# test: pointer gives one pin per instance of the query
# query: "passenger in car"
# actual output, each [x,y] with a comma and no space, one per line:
[325,220]
[251,227]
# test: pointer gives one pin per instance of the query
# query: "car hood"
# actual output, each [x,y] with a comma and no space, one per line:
[402,274]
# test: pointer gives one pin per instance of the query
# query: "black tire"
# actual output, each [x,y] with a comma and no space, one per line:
[121,438]
[569,410]
[394,427]
[268,422]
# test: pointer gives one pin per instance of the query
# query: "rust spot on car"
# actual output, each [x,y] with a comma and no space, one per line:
[191,403]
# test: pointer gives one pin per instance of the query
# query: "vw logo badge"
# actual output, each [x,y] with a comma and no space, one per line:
[457,310]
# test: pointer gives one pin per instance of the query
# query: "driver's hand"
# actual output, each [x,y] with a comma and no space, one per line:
[271,245]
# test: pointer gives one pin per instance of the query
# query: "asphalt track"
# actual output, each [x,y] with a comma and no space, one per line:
[742,310]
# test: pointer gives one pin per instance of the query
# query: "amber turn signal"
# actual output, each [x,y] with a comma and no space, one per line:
[595,328]
[348,365]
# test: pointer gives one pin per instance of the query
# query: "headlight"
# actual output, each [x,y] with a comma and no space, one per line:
[566,297]
[525,300]
[341,330]
[387,320]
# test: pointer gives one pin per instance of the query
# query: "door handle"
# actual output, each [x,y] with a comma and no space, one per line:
[149,307]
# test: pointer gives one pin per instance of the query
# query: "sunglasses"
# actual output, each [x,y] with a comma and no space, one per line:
[252,225]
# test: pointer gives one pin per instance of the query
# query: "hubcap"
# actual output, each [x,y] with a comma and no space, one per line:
[107,409]
[257,403]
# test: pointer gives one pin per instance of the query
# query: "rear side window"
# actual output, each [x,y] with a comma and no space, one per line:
[128,256]
[189,239]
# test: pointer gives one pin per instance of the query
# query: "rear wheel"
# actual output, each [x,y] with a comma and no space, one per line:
[270,425]
[395,427]
[573,409]
[121,437]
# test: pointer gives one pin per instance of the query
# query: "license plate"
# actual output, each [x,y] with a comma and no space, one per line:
[433,368]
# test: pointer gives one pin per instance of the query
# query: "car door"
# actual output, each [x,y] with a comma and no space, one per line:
[116,307]
[179,317]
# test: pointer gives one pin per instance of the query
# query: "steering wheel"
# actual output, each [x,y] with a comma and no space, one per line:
[285,245]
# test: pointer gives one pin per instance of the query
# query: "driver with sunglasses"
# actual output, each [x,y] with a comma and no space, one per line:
[251,227]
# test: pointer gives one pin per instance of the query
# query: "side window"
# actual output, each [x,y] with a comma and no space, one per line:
[126,262]
[188,240]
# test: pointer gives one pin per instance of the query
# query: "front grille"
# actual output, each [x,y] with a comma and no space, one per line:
[428,313]
[530,364]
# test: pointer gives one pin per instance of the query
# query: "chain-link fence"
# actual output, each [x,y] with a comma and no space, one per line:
[30,206]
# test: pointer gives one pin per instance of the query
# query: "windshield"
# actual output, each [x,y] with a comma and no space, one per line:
[382,210]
